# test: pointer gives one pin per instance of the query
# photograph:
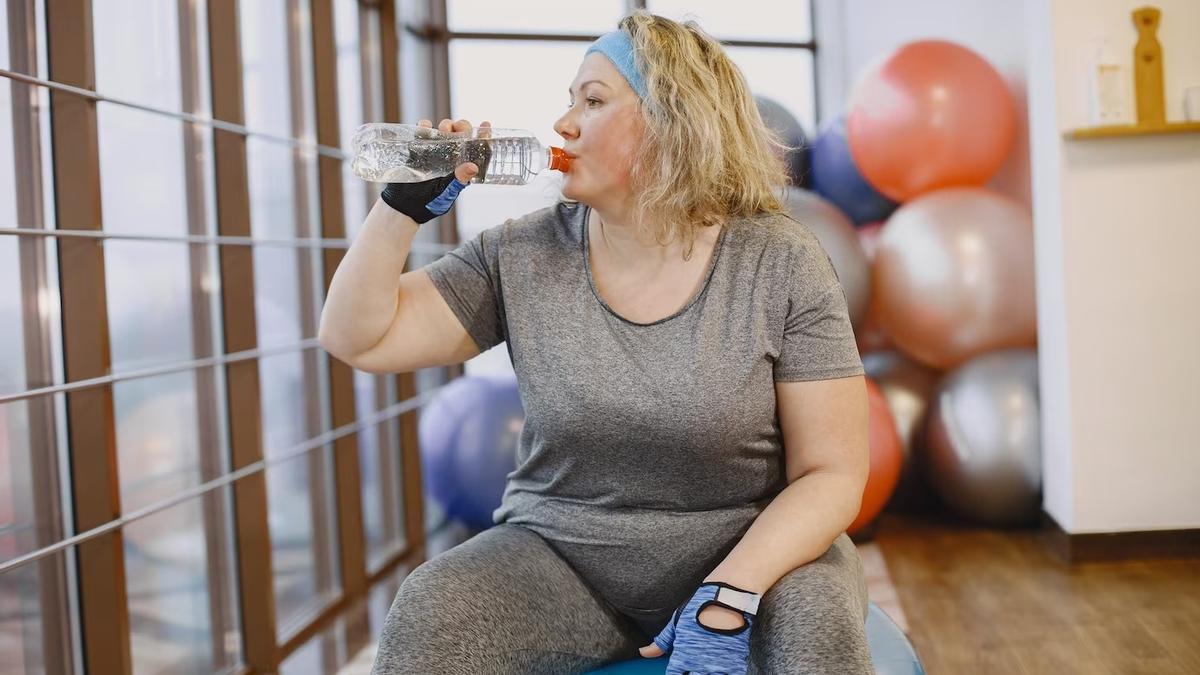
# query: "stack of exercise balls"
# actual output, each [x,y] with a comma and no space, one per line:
[938,271]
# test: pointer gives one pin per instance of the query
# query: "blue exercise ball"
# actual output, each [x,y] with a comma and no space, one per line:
[891,651]
[785,125]
[835,177]
[469,433]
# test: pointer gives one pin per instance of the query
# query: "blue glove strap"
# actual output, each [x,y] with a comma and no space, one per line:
[443,201]
[425,200]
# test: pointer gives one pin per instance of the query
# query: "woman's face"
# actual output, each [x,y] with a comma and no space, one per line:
[601,129]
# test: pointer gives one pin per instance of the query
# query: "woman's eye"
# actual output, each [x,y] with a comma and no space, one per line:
[593,100]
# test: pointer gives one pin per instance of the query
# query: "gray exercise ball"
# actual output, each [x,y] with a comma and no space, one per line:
[840,240]
[907,385]
[788,129]
[984,455]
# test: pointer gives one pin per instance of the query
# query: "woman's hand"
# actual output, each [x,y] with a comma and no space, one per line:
[713,639]
[426,200]
[713,616]
[467,170]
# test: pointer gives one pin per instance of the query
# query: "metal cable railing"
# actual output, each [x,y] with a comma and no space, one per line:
[373,419]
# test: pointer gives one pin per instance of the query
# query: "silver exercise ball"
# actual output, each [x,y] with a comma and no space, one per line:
[984,444]
[840,240]
[788,129]
[907,385]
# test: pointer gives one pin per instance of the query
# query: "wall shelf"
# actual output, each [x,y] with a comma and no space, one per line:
[1133,130]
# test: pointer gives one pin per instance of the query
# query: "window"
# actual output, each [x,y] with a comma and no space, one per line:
[746,20]
[293,384]
[155,179]
[379,444]
[583,17]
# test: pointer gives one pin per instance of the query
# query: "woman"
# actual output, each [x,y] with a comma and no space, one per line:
[695,439]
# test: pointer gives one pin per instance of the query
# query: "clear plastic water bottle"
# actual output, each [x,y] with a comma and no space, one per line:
[408,153]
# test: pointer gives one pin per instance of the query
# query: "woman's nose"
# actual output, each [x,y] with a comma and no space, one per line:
[565,127]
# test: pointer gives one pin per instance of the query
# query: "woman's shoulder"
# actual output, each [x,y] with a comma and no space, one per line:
[776,231]
[552,226]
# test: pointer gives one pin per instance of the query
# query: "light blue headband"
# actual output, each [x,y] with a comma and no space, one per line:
[619,49]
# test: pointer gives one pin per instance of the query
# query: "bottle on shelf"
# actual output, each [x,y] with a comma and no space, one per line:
[1108,82]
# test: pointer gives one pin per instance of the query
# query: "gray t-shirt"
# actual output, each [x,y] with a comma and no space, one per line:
[648,449]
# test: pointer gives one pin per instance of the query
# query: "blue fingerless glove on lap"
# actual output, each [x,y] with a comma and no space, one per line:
[696,648]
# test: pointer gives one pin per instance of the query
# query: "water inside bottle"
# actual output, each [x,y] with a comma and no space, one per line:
[503,161]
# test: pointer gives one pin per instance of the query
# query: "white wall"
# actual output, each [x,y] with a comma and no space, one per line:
[1117,233]
[1118,230]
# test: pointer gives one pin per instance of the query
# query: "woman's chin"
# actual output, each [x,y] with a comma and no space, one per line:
[569,188]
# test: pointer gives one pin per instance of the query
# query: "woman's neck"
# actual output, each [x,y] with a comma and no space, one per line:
[627,244]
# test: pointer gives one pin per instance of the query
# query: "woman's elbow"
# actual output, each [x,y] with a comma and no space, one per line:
[333,339]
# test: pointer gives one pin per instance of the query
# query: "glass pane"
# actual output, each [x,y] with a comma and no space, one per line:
[169,434]
[28,265]
[8,179]
[142,173]
[4,44]
[416,84]
[277,296]
[299,492]
[753,20]
[272,170]
[761,66]
[366,402]
[12,339]
[30,501]
[149,303]
[34,615]
[12,25]
[181,588]
[380,596]
[273,57]
[349,68]
[137,51]
[381,468]
[338,648]
[351,112]
[533,101]
[264,47]
[157,437]
[428,379]
[285,414]
[537,16]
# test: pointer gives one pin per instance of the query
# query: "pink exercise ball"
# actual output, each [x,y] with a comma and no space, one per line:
[932,114]
[835,231]
[954,276]
[871,336]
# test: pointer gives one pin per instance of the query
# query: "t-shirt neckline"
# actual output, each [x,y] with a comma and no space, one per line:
[587,265]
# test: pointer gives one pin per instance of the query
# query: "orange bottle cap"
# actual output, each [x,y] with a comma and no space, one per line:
[559,161]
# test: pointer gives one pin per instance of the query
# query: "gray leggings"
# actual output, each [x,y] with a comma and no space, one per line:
[505,601]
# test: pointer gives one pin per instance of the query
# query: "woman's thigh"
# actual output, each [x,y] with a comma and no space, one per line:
[813,620]
[501,602]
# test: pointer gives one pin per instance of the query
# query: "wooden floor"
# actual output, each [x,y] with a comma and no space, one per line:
[982,600]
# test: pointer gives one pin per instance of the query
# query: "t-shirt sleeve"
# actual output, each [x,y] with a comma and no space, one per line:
[818,339]
[468,278]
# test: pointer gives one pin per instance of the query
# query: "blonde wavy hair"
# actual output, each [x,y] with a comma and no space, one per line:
[707,155]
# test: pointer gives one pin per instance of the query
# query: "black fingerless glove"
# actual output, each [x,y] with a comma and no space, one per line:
[425,200]
[431,198]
